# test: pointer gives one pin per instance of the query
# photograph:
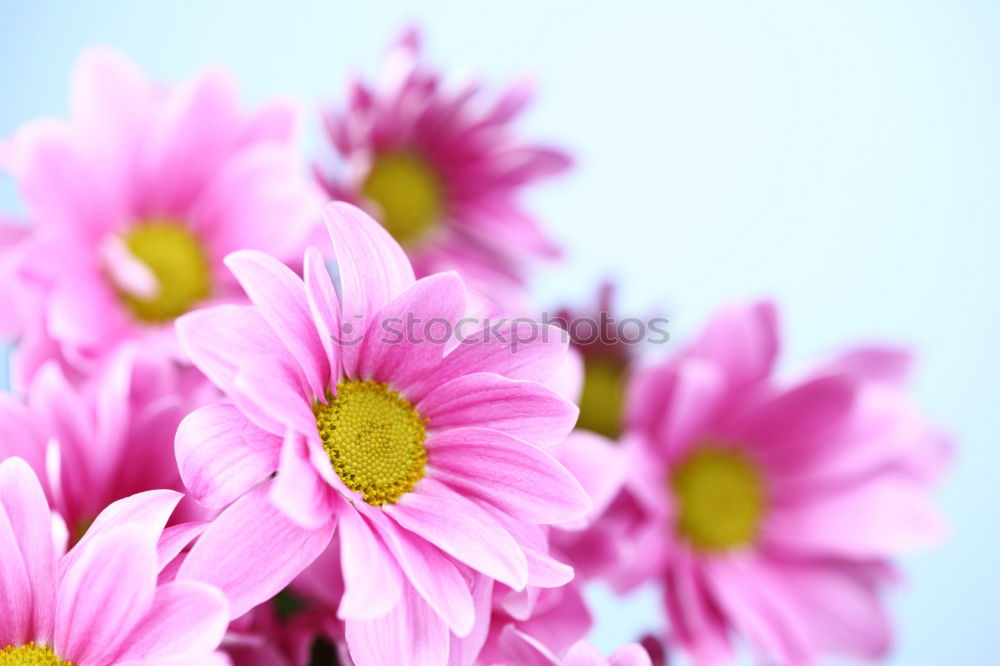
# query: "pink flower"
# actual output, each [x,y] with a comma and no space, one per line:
[788,501]
[427,453]
[442,169]
[110,437]
[523,650]
[99,604]
[136,199]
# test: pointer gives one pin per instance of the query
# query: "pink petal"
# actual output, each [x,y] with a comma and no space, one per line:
[516,351]
[271,393]
[373,268]
[695,615]
[599,465]
[28,573]
[146,513]
[757,605]
[17,603]
[524,650]
[280,298]
[543,570]
[844,610]
[522,409]
[59,184]
[409,335]
[410,634]
[21,434]
[881,517]
[251,551]
[175,539]
[518,478]
[324,306]
[630,655]
[85,313]
[221,455]
[112,105]
[221,339]
[430,573]
[256,186]
[372,581]
[187,619]
[799,427]
[743,340]
[104,593]
[298,490]
[127,272]
[277,120]
[583,653]
[674,403]
[890,365]
[462,529]
[463,651]
[197,132]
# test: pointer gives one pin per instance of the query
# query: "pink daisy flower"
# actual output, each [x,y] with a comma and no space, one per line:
[523,650]
[426,452]
[443,170]
[787,501]
[107,438]
[100,603]
[136,199]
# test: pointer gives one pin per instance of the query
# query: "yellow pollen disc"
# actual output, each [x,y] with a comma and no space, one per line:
[375,440]
[720,498]
[30,655]
[177,258]
[408,193]
[602,396]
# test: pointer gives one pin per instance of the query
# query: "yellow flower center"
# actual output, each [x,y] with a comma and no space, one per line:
[720,498]
[408,193]
[375,439]
[179,263]
[602,396]
[30,655]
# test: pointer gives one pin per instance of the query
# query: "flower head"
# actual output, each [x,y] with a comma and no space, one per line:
[136,199]
[787,502]
[424,449]
[443,170]
[100,604]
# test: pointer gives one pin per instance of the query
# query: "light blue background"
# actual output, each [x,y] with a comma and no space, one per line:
[843,157]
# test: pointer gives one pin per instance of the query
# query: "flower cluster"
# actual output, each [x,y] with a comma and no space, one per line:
[213,454]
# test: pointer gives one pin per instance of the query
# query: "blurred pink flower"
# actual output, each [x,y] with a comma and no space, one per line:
[107,438]
[100,603]
[788,502]
[523,650]
[136,199]
[427,457]
[443,169]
